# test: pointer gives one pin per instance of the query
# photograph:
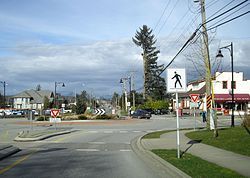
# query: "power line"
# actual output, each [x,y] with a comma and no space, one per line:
[194,34]
[228,21]
[226,11]
[229,15]
[167,18]
[220,9]
[162,14]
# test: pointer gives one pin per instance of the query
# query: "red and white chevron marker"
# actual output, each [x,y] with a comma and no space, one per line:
[54,112]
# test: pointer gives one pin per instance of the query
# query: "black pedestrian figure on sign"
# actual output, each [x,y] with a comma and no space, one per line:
[177,77]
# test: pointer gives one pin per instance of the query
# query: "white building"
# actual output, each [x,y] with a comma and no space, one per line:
[31,99]
[221,88]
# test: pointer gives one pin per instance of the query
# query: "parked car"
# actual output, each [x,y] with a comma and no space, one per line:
[139,114]
[150,110]
[162,111]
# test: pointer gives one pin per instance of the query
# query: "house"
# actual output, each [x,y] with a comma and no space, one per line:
[222,93]
[31,99]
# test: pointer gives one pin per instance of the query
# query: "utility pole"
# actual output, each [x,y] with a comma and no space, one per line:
[144,72]
[205,52]
[123,82]
[132,87]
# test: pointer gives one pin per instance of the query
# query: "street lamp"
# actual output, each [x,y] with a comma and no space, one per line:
[4,85]
[230,48]
[56,84]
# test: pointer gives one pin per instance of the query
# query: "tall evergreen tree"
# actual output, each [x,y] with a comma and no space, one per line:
[154,85]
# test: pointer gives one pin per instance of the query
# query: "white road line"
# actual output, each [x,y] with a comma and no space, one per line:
[87,150]
[123,131]
[92,131]
[136,131]
[108,132]
[125,150]
[98,143]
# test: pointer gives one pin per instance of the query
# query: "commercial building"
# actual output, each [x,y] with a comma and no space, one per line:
[221,87]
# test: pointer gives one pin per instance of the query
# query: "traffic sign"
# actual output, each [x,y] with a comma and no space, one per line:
[209,101]
[194,97]
[54,112]
[176,80]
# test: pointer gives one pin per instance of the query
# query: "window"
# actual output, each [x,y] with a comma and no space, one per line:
[233,84]
[224,85]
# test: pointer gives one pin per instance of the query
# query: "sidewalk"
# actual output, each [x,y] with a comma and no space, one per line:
[227,159]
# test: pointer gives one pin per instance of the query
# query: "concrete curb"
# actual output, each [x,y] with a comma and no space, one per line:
[164,168]
[7,150]
[29,139]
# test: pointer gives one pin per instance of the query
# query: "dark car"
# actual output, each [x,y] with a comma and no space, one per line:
[141,114]
[162,111]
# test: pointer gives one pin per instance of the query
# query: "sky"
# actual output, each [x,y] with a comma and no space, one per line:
[87,44]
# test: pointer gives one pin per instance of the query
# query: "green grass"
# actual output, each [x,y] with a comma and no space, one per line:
[232,139]
[158,134]
[195,166]
[155,134]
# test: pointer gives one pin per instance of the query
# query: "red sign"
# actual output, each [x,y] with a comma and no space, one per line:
[54,112]
[194,97]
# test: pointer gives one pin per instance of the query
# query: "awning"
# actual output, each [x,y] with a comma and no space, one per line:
[228,97]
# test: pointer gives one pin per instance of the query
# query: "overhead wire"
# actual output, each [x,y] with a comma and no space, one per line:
[167,17]
[187,43]
[230,15]
[158,22]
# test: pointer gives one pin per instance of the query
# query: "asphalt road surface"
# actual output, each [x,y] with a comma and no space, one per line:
[94,150]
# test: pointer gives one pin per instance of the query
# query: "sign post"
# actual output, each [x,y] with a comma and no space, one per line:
[54,113]
[176,83]
[194,99]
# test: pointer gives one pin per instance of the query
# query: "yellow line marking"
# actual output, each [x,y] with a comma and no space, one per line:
[15,163]
[66,137]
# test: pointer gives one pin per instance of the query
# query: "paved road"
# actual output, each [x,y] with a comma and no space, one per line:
[95,150]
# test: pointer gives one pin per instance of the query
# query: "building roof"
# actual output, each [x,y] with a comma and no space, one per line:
[34,95]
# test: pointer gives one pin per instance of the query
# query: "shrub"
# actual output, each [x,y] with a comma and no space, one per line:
[42,118]
[106,117]
[82,117]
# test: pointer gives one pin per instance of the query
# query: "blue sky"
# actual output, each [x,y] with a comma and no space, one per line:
[87,44]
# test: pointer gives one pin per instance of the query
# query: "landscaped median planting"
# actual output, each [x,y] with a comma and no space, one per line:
[195,166]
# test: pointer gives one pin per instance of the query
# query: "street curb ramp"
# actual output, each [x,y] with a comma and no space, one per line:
[161,167]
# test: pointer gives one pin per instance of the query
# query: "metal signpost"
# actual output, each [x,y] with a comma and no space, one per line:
[54,113]
[176,83]
[194,104]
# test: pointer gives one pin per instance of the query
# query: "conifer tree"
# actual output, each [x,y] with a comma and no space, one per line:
[154,85]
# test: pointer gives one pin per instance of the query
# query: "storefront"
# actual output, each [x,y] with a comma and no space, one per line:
[223,102]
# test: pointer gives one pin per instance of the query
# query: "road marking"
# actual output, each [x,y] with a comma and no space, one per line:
[125,150]
[87,150]
[136,131]
[99,143]
[92,131]
[124,131]
[63,137]
[108,132]
[15,163]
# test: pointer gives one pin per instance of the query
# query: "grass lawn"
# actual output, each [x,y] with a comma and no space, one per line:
[155,134]
[232,139]
[195,166]
[158,134]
